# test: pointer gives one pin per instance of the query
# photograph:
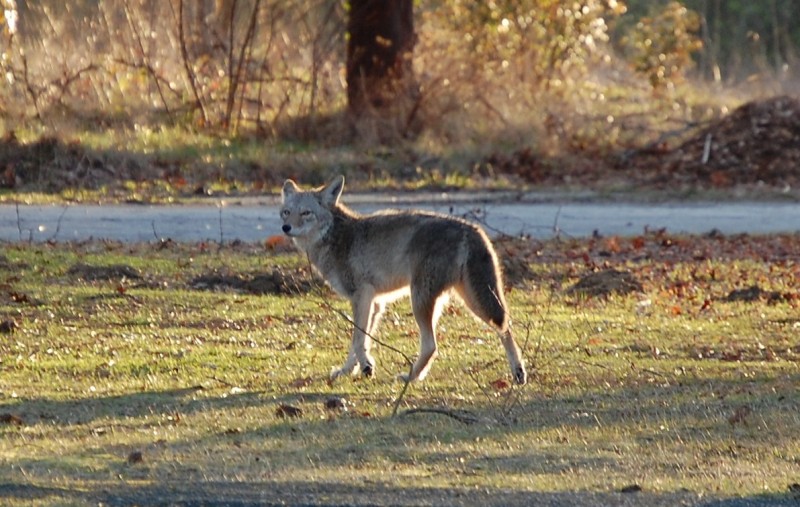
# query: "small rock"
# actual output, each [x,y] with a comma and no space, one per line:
[11,419]
[336,403]
[284,411]
[135,457]
[8,326]
[604,283]
[103,273]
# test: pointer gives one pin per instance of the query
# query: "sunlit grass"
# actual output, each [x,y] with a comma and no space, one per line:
[648,389]
[591,120]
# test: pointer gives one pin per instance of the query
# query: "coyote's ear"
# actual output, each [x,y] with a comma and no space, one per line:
[332,191]
[289,188]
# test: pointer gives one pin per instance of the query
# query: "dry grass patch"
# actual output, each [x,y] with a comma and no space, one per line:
[116,391]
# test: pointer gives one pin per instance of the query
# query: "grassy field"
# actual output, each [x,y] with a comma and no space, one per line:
[131,373]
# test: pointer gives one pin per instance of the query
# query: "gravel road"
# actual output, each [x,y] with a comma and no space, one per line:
[255,220]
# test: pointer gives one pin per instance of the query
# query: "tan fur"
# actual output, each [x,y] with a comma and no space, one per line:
[373,259]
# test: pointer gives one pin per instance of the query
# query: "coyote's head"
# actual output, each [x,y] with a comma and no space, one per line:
[306,214]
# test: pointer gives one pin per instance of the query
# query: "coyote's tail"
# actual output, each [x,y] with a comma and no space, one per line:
[484,284]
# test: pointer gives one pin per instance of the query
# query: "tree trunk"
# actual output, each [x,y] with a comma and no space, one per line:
[380,81]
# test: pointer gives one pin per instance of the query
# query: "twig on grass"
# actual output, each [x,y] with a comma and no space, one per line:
[19,221]
[221,230]
[595,365]
[221,381]
[481,217]
[463,416]
[58,224]
[512,399]
[325,304]
[19,226]
[651,372]
[556,227]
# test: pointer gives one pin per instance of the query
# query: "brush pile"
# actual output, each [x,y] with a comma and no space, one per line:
[757,144]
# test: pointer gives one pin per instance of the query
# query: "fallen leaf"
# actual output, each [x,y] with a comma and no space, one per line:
[336,403]
[11,419]
[8,326]
[612,244]
[284,411]
[276,242]
[19,297]
[301,382]
[500,384]
[732,355]
[135,457]
[740,416]
[720,179]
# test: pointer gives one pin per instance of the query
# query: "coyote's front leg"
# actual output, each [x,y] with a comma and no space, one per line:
[366,314]
[350,366]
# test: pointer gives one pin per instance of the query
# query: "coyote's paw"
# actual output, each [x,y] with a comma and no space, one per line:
[407,378]
[368,370]
[342,372]
[334,374]
[520,375]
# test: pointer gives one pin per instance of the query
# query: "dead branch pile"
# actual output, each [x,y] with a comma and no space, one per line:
[758,143]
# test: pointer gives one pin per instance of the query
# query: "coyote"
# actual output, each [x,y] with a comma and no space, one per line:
[374,259]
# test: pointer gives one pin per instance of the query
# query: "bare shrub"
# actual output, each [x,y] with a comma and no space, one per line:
[491,75]
[661,46]
[505,72]
[225,64]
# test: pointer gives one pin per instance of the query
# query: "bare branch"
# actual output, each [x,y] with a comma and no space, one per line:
[187,66]
[151,71]
[462,416]
[58,224]
[326,304]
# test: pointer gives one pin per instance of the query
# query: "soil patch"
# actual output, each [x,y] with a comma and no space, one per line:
[606,282]
[758,143]
[517,271]
[49,165]
[103,273]
[279,281]
[756,293]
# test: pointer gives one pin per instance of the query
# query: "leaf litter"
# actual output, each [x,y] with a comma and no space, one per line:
[672,270]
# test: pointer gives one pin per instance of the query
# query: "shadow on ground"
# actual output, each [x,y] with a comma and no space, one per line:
[303,493]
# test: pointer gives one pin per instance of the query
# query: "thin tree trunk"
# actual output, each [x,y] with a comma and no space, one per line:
[379,74]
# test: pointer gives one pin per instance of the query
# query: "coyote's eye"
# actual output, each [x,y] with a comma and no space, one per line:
[285,213]
[305,214]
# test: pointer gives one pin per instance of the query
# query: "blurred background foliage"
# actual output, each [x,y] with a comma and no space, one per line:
[581,74]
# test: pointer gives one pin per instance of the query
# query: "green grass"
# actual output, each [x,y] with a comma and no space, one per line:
[174,164]
[648,389]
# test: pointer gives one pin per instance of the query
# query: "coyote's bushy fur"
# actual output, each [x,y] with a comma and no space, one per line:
[373,259]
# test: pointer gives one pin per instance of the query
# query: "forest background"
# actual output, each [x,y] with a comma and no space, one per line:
[235,95]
